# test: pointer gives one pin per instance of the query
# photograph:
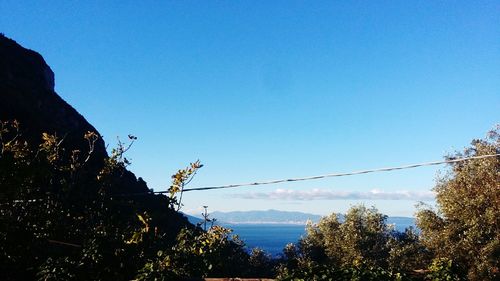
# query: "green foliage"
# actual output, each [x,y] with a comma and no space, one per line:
[363,236]
[443,269]
[465,229]
[359,248]
[459,241]
[179,180]
[407,253]
[57,269]
[310,270]
[62,219]
[260,264]
[199,254]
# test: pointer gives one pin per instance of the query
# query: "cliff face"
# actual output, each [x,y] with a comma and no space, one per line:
[52,212]
[27,95]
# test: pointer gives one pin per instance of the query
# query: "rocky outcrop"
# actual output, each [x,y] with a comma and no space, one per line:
[27,95]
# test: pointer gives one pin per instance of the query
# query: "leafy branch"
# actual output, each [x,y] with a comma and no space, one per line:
[179,181]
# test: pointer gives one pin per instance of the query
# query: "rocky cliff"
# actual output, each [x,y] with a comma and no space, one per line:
[27,95]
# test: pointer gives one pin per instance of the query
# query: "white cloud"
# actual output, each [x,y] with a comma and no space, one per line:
[323,194]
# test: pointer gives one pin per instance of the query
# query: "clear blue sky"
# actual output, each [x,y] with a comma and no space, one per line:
[274,89]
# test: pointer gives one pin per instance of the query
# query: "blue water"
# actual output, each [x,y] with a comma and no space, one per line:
[272,238]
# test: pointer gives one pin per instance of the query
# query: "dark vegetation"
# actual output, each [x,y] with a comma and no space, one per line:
[61,221]
[70,211]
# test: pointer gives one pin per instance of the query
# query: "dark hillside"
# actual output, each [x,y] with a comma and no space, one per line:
[55,209]
[27,95]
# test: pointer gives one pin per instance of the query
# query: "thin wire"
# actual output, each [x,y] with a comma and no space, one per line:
[339,174]
[306,178]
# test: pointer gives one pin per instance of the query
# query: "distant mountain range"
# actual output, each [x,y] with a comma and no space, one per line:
[192,219]
[269,216]
[282,217]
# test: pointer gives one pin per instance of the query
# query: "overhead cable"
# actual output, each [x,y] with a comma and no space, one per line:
[451,160]
[448,161]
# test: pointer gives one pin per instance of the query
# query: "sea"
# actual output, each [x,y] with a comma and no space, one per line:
[272,238]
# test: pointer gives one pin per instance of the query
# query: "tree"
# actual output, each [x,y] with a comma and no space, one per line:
[465,228]
[355,248]
[197,254]
[62,219]
[363,236]
[407,252]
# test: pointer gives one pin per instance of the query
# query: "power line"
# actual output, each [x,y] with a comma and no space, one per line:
[339,174]
[388,169]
